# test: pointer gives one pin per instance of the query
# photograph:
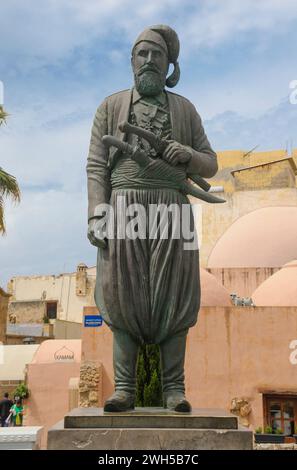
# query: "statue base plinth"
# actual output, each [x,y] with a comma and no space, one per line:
[149,429]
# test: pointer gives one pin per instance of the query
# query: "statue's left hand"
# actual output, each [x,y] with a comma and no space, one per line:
[176,153]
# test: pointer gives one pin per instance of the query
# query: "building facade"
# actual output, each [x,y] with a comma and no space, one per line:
[39,299]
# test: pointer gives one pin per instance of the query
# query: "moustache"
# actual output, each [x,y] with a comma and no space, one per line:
[148,68]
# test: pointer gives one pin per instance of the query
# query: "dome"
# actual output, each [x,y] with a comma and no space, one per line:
[213,294]
[280,289]
[266,237]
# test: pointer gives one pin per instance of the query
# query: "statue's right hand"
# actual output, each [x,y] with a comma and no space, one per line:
[93,234]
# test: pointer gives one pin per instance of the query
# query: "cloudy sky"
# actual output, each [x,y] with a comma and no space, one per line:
[60,58]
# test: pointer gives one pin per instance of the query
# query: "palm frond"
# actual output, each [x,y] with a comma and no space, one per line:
[9,186]
[3,115]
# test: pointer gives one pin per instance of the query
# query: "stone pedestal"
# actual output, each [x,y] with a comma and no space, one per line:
[20,438]
[149,429]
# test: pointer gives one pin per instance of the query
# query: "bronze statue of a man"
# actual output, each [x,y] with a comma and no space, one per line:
[147,288]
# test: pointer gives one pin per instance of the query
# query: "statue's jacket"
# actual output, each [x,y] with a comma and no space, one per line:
[147,287]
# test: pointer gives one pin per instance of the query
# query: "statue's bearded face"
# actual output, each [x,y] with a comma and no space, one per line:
[150,67]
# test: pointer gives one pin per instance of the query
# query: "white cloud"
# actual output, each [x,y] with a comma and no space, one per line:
[48,31]
[41,156]
[46,233]
[274,129]
[248,89]
[219,21]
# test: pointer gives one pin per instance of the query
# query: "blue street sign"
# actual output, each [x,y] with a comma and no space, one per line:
[93,320]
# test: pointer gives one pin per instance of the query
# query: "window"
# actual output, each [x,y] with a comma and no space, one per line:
[51,310]
[281,413]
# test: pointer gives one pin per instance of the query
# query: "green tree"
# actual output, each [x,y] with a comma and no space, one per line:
[149,386]
[8,184]
[21,391]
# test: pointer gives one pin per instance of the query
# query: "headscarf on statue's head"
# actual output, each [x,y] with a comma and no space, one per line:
[166,38]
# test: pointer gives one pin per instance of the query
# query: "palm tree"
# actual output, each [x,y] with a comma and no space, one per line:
[3,115]
[8,184]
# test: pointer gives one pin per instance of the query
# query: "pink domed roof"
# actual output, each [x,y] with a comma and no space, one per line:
[213,294]
[266,237]
[291,264]
[280,289]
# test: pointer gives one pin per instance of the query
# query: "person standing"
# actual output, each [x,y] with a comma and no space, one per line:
[17,413]
[5,406]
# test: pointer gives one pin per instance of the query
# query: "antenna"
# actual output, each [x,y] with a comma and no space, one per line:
[250,151]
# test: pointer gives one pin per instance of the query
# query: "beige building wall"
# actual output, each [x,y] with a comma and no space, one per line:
[31,311]
[13,362]
[4,298]
[14,359]
[230,160]
[280,174]
[66,289]
[67,330]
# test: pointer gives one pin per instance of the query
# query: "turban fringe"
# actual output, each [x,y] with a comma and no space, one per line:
[173,79]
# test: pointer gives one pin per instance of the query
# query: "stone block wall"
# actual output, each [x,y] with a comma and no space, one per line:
[27,311]
[90,384]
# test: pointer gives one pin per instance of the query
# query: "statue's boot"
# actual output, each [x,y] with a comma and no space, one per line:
[125,352]
[173,378]
[120,401]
